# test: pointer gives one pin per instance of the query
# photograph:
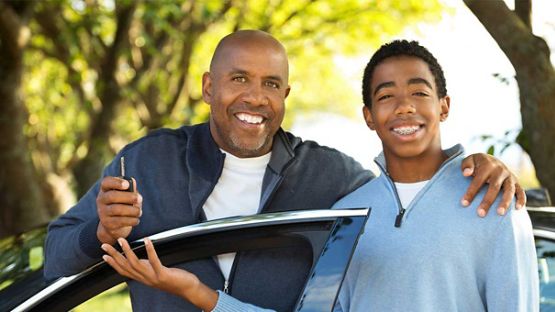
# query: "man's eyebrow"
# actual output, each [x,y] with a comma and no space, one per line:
[419,81]
[384,85]
[235,71]
[273,77]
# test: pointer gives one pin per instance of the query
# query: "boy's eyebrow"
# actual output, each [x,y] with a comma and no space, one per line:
[384,85]
[420,80]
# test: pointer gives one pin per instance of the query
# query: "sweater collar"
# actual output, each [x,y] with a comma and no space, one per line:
[451,153]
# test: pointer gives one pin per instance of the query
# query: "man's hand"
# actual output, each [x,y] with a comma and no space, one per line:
[153,273]
[119,211]
[488,169]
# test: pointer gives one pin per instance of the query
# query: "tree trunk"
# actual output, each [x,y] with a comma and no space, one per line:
[535,75]
[21,200]
[88,170]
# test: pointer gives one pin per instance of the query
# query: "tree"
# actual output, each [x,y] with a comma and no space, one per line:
[99,73]
[535,75]
[18,180]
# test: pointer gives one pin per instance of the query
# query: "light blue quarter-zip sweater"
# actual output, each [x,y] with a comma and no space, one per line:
[442,257]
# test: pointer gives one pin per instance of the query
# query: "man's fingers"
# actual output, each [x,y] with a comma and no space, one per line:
[113,183]
[119,197]
[508,194]
[153,257]
[473,189]
[116,223]
[120,210]
[520,196]
[129,254]
[116,260]
[467,166]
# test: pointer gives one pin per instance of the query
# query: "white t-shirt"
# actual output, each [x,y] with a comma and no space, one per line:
[237,193]
[407,191]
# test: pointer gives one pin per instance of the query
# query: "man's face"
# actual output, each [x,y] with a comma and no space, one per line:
[246,91]
[406,110]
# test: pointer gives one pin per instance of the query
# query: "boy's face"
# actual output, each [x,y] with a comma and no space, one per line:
[406,110]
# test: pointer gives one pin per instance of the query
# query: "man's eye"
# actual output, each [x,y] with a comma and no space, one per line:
[272,84]
[420,93]
[239,79]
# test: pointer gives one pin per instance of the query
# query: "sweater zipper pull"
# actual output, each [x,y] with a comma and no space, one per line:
[226,285]
[399,217]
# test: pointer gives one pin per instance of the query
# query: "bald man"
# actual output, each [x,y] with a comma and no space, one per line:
[239,163]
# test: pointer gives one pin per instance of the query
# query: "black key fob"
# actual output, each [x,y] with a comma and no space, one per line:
[131,187]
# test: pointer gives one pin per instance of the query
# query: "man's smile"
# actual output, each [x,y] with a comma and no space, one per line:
[250,118]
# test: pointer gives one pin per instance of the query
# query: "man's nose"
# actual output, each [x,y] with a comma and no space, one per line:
[256,95]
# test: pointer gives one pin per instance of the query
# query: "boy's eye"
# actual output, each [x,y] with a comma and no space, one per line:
[384,97]
[272,84]
[239,79]
[420,93]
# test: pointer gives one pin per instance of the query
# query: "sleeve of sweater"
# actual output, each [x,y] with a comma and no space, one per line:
[71,243]
[512,279]
[226,303]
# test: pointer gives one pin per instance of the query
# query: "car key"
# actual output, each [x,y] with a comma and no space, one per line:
[122,172]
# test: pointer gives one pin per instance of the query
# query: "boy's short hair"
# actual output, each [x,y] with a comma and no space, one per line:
[402,48]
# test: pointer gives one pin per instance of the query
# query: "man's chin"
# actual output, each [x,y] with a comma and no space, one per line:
[248,148]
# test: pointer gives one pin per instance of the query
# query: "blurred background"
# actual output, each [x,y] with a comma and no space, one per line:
[79,79]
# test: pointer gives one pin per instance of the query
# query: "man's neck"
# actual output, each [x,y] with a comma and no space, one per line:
[414,169]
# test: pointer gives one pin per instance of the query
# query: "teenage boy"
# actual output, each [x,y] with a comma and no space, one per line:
[421,251]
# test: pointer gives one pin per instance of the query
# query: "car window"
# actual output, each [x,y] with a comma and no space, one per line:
[546,267]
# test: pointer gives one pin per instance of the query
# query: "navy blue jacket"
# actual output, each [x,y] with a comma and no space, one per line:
[176,170]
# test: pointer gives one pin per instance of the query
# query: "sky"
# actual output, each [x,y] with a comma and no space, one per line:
[481,104]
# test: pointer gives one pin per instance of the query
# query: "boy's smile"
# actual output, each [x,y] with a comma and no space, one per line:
[406,111]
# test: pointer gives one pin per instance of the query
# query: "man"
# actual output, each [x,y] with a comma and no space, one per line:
[240,163]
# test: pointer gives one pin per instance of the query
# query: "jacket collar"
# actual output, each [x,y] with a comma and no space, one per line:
[205,158]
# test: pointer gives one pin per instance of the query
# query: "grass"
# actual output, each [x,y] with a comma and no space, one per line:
[115,299]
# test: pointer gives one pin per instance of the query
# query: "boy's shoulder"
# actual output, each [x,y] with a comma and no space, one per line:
[363,195]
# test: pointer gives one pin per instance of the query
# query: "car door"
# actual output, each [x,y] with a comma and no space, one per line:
[332,235]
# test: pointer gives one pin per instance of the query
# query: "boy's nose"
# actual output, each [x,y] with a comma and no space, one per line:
[405,106]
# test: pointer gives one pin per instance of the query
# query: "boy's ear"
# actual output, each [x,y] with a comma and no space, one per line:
[207,88]
[368,117]
[445,103]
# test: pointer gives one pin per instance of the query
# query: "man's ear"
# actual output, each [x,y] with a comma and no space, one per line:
[368,117]
[287,91]
[445,103]
[207,88]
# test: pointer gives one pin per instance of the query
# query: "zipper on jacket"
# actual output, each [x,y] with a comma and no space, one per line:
[399,217]
[226,286]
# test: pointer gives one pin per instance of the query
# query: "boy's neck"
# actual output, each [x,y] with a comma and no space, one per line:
[413,169]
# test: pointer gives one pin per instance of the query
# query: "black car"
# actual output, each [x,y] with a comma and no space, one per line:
[333,235]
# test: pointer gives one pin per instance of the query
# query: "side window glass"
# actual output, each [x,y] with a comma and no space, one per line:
[114,299]
[546,267]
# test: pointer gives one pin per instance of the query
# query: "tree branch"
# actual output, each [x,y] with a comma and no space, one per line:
[511,34]
[523,9]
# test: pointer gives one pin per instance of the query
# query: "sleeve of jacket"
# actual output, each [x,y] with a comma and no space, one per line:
[353,174]
[71,243]
[226,303]
[512,278]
